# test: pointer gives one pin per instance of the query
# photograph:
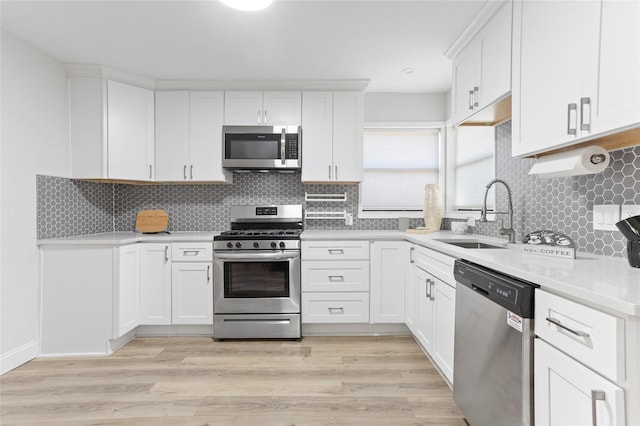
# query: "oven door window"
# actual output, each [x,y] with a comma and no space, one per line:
[256,279]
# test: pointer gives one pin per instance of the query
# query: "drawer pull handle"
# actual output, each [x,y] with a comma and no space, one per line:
[336,251]
[596,395]
[564,327]
[191,252]
[339,310]
[336,277]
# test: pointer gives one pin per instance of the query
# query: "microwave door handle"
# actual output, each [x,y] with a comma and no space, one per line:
[283,152]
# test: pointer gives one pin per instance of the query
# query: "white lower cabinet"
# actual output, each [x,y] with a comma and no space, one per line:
[155,284]
[335,282]
[388,259]
[127,290]
[192,293]
[431,306]
[568,393]
[579,366]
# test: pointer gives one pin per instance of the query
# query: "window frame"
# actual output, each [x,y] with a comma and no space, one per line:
[395,214]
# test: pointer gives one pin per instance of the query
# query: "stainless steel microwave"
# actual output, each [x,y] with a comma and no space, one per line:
[261,147]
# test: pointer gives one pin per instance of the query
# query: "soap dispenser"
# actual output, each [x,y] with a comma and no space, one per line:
[630,228]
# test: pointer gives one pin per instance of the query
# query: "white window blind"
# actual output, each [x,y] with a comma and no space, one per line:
[398,163]
[474,166]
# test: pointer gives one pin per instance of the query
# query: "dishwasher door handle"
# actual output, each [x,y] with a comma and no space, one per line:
[479,290]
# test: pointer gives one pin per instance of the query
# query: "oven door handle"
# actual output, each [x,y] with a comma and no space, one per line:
[246,257]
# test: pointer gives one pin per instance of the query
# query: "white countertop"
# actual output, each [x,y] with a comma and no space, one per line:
[601,281]
[122,238]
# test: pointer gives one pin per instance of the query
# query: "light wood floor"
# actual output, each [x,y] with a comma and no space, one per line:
[196,381]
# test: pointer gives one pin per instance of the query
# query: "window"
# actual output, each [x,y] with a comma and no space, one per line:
[470,166]
[398,162]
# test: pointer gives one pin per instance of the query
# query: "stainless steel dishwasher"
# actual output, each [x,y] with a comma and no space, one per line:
[493,356]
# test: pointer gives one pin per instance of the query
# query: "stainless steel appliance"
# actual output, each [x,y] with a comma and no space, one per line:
[262,147]
[256,274]
[493,355]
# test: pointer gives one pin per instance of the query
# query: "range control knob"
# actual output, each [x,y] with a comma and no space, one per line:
[282,244]
[273,244]
[256,244]
[230,244]
[238,245]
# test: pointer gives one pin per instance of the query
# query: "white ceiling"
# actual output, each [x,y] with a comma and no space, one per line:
[291,40]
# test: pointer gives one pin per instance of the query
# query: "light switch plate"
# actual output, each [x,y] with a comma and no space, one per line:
[629,210]
[606,216]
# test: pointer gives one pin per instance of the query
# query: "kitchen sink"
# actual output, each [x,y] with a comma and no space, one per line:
[472,244]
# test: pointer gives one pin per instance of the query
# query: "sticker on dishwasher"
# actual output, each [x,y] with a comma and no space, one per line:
[514,321]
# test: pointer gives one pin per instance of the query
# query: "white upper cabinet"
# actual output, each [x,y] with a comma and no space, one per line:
[189,137]
[262,108]
[332,124]
[111,130]
[577,79]
[482,70]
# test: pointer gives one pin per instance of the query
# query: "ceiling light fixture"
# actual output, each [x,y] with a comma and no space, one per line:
[249,5]
[408,70]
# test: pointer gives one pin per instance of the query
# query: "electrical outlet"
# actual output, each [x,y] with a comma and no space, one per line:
[629,210]
[348,220]
[605,217]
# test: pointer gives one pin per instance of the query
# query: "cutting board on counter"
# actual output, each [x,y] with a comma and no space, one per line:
[152,221]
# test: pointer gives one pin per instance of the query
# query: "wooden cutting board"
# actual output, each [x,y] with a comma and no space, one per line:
[152,221]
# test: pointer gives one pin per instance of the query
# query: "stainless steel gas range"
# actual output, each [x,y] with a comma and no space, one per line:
[256,291]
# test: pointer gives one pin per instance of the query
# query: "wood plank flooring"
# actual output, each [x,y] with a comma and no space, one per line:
[197,381]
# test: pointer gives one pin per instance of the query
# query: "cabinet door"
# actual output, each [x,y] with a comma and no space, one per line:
[206,112]
[155,284]
[348,121]
[424,308]
[411,292]
[495,57]
[551,68]
[317,143]
[242,108]
[564,392]
[172,135]
[388,260]
[282,108]
[466,82]
[618,98]
[130,132]
[127,299]
[444,320]
[192,293]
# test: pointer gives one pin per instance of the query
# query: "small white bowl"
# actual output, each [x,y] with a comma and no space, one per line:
[459,227]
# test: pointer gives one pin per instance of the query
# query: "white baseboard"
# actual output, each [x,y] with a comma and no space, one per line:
[18,356]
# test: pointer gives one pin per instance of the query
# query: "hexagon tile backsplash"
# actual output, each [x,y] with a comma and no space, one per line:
[68,207]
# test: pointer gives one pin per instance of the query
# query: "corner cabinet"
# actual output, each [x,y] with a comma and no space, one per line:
[111,130]
[262,108]
[127,291]
[577,80]
[189,137]
[332,125]
[482,70]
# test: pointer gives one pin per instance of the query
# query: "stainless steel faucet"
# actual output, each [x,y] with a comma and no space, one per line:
[505,230]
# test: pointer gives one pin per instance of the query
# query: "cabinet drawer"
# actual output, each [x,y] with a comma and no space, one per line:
[335,250]
[437,264]
[192,252]
[335,307]
[592,337]
[322,275]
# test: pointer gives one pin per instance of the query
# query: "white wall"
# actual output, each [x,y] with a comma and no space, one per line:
[401,107]
[33,141]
